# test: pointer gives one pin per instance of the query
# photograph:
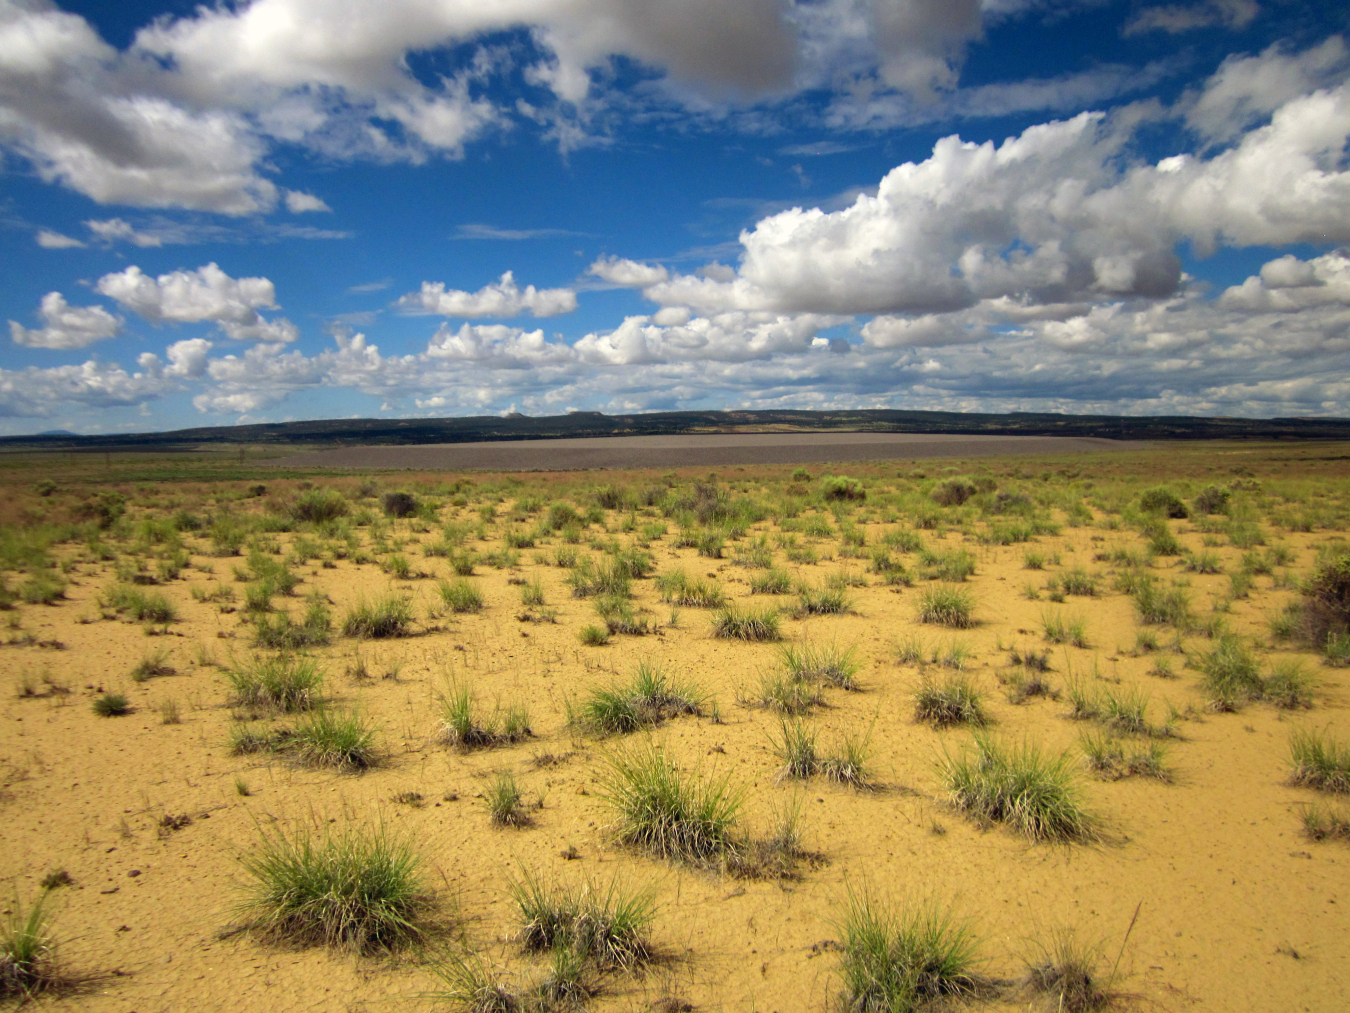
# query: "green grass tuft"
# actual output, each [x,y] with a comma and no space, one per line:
[667,812]
[952,701]
[947,605]
[281,683]
[329,738]
[736,623]
[899,962]
[361,890]
[390,616]
[111,705]
[1319,761]
[650,698]
[459,595]
[1036,795]
[608,925]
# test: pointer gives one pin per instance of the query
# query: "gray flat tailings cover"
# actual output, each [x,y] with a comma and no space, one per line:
[692,451]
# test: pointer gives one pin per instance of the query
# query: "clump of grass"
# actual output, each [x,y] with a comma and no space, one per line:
[1065,975]
[153,663]
[1125,712]
[820,662]
[786,694]
[1231,673]
[910,651]
[1322,823]
[594,636]
[953,700]
[390,616]
[1023,686]
[1061,629]
[330,738]
[822,601]
[667,812]
[503,800]
[1288,686]
[279,683]
[459,595]
[168,712]
[796,749]
[650,698]
[471,986]
[619,615]
[773,581]
[111,705]
[532,594]
[947,605]
[360,890]
[1110,758]
[608,925]
[849,765]
[1319,761]
[462,728]
[28,964]
[588,578]
[1084,701]
[1158,606]
[140,605]
[283,633]
[1034,794]
[678,588]
[1202,562]
[898,962]
[733,622]
[953,565]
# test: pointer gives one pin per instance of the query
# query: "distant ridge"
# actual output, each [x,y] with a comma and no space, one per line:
[475,429]
[57,432]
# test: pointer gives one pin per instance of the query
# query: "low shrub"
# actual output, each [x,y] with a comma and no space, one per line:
[318,506]
[284,634]
[1161,500]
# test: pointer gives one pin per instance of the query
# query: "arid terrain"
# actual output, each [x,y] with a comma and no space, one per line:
[1153,627]
[683,451]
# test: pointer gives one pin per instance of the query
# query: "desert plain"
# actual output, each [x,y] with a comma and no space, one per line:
[1140,622]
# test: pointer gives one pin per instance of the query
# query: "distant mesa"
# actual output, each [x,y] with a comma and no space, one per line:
[57,432]
[516,415]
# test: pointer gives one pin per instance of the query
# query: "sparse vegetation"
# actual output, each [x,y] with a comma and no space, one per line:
[648,699]
[947,605]
[951,700]
[733,622]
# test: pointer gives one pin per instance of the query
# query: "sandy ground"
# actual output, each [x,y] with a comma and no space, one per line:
[686,451]
[1237,912]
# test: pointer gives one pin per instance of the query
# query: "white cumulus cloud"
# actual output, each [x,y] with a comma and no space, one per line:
[66,326]
[503,298]
[207,293]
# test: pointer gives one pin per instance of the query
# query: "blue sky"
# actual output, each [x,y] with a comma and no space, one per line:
[305,209]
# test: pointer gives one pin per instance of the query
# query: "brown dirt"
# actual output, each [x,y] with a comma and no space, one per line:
[1238,913]
[690,451]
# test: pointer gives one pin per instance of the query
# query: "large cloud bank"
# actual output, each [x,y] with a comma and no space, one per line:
[1041,272]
